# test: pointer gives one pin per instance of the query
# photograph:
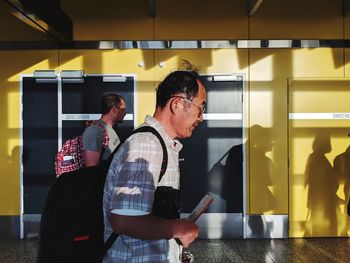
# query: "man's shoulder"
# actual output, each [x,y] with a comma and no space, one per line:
[97,124]
[92,130]
[142,138]
[142,141]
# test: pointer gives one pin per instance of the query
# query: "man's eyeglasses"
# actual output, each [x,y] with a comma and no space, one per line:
[122,109]
[200,108]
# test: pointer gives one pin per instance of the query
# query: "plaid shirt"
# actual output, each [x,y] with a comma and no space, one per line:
[129,190]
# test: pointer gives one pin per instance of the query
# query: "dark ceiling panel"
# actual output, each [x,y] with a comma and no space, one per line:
[45,16]
[12,29]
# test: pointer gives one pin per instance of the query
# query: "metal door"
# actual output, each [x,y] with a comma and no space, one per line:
[212,159]
[54,110]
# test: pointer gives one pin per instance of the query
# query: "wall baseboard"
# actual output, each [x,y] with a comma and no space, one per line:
[212,226]
[219,225]
[267,226]
[10,227]
[31,226]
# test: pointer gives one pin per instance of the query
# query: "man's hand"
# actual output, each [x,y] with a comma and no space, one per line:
[186,231]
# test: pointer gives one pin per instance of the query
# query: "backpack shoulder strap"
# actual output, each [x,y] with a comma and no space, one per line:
[163,168]
[103,129]
[156,133]
[165,152]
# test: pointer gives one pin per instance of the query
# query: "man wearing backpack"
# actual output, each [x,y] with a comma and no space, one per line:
[100,140]
[131,187]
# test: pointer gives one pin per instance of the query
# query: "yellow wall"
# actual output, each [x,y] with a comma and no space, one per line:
[317,182]
[13,64]
[267,72]
[94,62]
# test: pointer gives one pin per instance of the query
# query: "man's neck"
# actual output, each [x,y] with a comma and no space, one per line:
[107,120]
[165,122]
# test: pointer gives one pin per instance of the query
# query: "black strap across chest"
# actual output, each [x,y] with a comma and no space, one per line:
[163,168]
[165,152]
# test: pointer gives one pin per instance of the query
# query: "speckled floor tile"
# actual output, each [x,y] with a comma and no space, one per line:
[226,251]
[202,252]
[251,246]
[258,257]
[18,251]
[310,253]
[277,245]
[298,250]
[330,244]
[226,243]
[285,257]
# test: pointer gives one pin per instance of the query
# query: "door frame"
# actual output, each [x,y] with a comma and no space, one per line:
[29,223]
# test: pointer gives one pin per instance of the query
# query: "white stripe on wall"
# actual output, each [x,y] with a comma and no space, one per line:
[222,116]
[129,117]
[320,116]
[89,117]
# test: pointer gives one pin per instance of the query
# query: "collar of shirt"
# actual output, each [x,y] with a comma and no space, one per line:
[174,144]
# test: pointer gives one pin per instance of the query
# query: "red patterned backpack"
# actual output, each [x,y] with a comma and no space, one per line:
[70,157]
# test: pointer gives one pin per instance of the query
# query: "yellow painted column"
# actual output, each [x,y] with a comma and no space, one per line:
[13,64]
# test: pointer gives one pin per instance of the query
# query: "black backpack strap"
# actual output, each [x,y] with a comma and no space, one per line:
[156,133]
[165,152]
[163,168]
[108,244]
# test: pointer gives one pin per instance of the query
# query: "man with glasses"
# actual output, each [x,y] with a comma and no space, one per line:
[100,139]
[132,179]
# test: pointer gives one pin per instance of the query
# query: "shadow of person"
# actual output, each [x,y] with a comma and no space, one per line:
[13,166]
[233,180]
[262,172]
[226,182]
[341,166]
[322,200]
[11,177]
[226,188]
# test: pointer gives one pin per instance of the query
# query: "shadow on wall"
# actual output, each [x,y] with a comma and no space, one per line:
[226,181]
[341,166]
[10,220]
[323,204]
[10,176]
[225,185]
[261,189]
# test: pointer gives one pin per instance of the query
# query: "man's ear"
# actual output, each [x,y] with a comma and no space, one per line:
[175,105]
[114,110]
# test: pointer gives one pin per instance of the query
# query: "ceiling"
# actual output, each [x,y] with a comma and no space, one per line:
[42,20]
[26,24]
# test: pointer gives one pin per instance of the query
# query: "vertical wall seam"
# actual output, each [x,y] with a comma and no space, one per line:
[58,59]
[248,120]
[344,59]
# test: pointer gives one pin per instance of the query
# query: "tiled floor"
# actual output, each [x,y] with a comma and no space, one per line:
[275,250]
